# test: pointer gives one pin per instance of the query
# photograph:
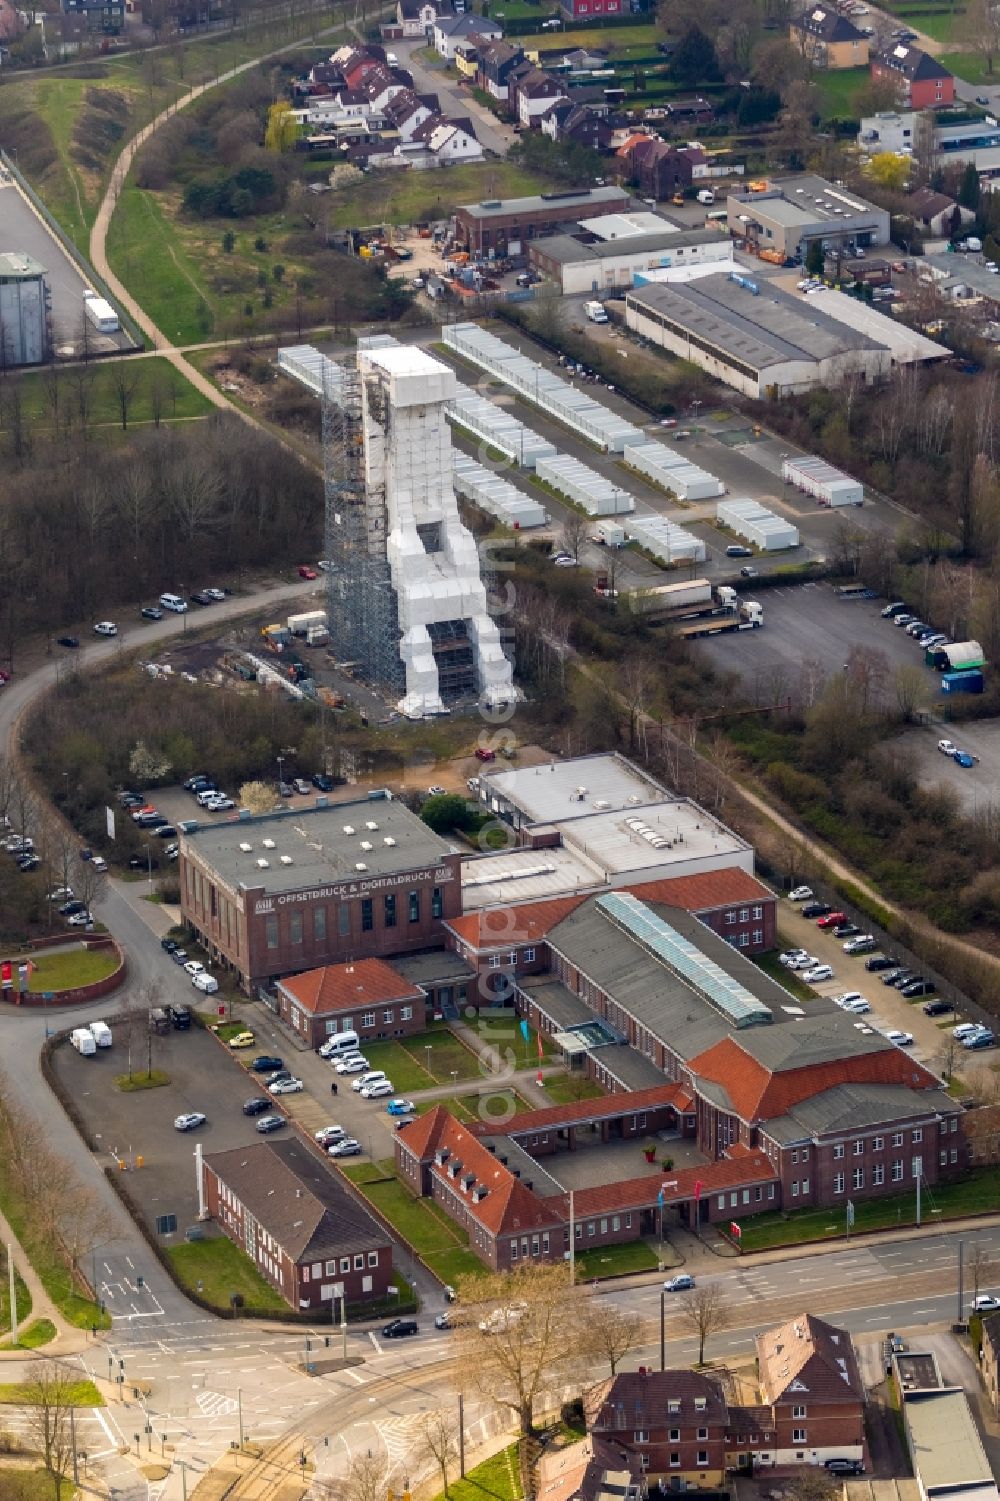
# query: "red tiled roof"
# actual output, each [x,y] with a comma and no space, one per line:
[757,1094]
[343,987]
[509,1205]
[503,927]
[575,1111]
[714,888]
[679,1185]
[808,1355]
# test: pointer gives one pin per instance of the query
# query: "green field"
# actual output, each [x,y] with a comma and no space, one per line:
[566,1089]
[412,1068]
[616,1261]
[496,1479]
[492,1106]
[504,1033]
[215,1268]
[614,39]
[38,1333]
[48,1261]
[438,1243]
[78,1394]
[33,1485]
[64,971]
[155,1078]
[969,65]
[976,1194]
[50,398]
[838,90]
[418,196]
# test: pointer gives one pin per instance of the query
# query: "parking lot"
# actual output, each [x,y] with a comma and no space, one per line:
[974,785]
[22,229]
[809,623]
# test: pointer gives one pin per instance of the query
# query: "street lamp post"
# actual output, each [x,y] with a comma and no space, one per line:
[427,1050]
[663,1330]
[281,773]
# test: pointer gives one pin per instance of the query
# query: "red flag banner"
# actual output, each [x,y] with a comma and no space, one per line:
[735,1230]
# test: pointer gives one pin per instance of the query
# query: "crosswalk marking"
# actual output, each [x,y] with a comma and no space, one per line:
[215,1404]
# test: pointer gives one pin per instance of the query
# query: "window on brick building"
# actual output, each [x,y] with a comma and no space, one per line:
[390,910]
[838,1151]
[271,930]
[295,927]
[859,1149]
[367,915]
[838,1183]
[878,1175]
[897,1172]
[406,1013]
[437,902]
[799,1436]
[918,1134]
[413,906]
[878,1143]
[858,1178]
[368,1018]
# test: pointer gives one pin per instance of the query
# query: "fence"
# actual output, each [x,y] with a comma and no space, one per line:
[79,260]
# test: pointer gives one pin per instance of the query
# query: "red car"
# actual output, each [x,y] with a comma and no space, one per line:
[305,572]
[831,920]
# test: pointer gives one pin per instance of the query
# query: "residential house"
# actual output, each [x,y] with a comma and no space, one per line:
[98,15]
[368,997]
[827,39]
[452,31]
[453,141]
[920,80]
[405,112]
[467,60]
[417,18]
[937,214]
[989,1359]
[656,168]
[496,61]
[811,1382]
[304,1232]
[532,94]
[589,10]
[357,65]
[669,1426]
[568,121]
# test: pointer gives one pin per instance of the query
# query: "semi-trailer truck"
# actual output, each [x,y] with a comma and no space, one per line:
[696,609]
[100,313]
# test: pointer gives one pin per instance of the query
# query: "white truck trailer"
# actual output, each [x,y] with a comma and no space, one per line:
[100,313]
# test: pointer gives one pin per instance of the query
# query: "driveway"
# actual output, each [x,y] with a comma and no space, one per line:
[455,100]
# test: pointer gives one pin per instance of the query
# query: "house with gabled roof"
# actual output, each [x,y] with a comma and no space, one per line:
[827,39]
[812,1385]
[921,81]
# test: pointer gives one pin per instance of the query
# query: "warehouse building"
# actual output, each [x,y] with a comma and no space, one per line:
[795,210]
[753,336]
[503,226]
[24,314]
[292,890]
[579,265]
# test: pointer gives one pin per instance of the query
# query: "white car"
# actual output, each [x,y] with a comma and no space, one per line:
[62,894]
[947,747]
[901,1039]
[857,1008]
[80,919]
[804,961]
[189,1120]
[327,1135]
[353,1065]
[217,594]
[370,1076]
[349,1147]
[194,967]
[286,1086]
[220,804]
[818,974]
[205,982]
[105,628]
[378,1090]
[792,957]
[800,894]
[965,1029]
[848,995]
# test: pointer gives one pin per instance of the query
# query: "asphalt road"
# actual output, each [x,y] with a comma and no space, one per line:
[491,133]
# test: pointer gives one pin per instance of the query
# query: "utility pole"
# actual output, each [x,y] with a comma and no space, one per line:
[182,1466]
[72,1439]
[239,1410]
[343,1321]
[572,1242]
[918,1198]
[12,1275]
[461,1435]
[961,1280]
[663,1330]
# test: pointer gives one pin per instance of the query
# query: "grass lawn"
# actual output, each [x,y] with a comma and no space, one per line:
[496,1479]
[968,65]
[493,1106]
[154,1079]
[772,965]
[406,1063]
[215,1268]
[32,1485]
[78,1394]
[566,1089]
[613,39]
[157,386]
[616,1261]
[66,971]
[975,1194]
[439,1243]
[942,25]
[38,1333]
[48,1262]
[504,1032]
[23,1299]
[413,197]
[837,90]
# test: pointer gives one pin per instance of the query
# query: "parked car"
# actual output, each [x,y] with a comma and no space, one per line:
[216,594]
[242,1040]
[69,641]
[202,597]
[442,1320]
[964,759]
[985,1303]
[265,1064]
[105,628]
[913,989]
[831,920]
[269,1123]
[286,1086]
[220,805]
[256,1106]
[901,1039]
[78,919]
[327,1135]
[165,831]
[193,966]
[189,1120]
[370,1076]
[846,930]
[898,981]
[939,1007]
[349,1147]
[844,1466]
[815,909]
[301,786]
[322,783]
[305,572]
[208,985]
[168,945]
[150,612]
[683,1282]
[880,961]
[965,1029]
[800,893]
[818,974]
[790,957]
[983,1039]
[400,1107]
[378,1090]
[353,1064]
[860,945]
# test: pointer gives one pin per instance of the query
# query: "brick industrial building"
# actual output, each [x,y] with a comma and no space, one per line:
[299,1226]
[303,887]
[369,997]
[506,226]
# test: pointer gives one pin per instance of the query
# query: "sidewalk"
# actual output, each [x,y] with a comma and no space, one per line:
[68,1341]
[159,917]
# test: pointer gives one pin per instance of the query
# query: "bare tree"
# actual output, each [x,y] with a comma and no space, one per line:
[573,534]
[124,383]
[365,1480]
[704,1313]
[48,1400]
[911,691]
[611,1332]
[439,1442]
[258,797]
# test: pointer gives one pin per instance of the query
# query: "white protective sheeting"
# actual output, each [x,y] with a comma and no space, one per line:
[561,399]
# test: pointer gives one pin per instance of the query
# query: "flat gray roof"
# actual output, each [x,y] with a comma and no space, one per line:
[557,1001]
[444,965]
[632,1069]
[947,1451]
[319,844]
[537,201]
[567,248]
[550,793]
[793,200]
[849,1107]
[769,329]
[525,875]
[967,269]
[15,264]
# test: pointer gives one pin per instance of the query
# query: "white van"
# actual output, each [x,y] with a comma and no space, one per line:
[101,1033]
[173,602]
[705,195]
[392,59]
[339,1045]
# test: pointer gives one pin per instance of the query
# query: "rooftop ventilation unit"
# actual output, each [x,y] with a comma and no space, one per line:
[371,824]
[348,828]
[268,844]
[360,865]
[246,848]
[389,842]
[286,859]
[367,846]
[263,864]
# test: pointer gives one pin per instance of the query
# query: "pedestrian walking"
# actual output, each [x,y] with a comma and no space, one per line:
[333,1087]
